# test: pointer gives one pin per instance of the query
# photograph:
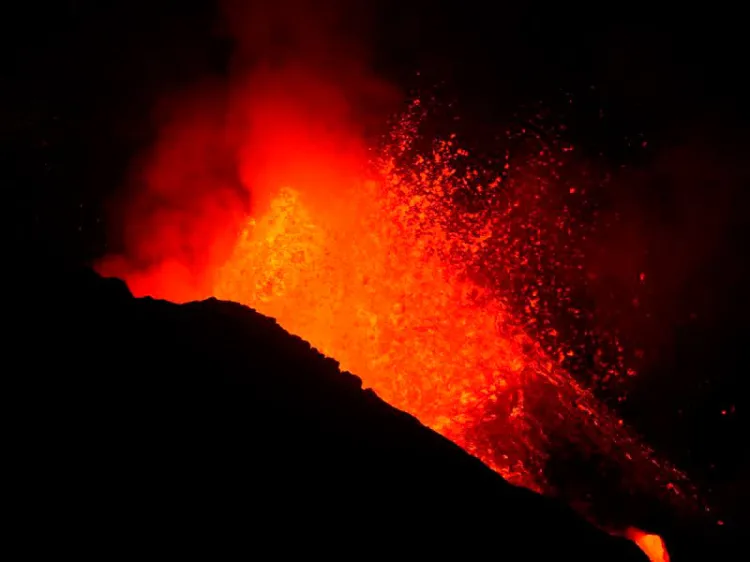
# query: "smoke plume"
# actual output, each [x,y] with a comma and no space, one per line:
[294,109]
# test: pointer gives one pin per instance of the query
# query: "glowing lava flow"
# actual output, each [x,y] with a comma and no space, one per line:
[652,545]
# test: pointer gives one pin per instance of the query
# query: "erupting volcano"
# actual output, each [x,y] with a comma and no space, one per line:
[525,236]
[455,285]
[383,282]
[402,266]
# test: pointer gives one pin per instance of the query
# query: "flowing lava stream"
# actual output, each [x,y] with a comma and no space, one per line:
[381,280]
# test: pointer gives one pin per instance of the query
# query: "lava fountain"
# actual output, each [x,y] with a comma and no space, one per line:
[388,290]
[384,278]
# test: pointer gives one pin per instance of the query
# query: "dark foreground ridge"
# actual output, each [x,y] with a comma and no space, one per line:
[149,427]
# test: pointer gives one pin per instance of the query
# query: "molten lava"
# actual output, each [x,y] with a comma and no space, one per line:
[388,275]
[652,545]
[387,290]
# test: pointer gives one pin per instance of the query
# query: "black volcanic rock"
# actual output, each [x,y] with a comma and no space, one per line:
[148,428]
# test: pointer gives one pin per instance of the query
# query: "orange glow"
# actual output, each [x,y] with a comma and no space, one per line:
[372,260]
[652,545]
[380,281]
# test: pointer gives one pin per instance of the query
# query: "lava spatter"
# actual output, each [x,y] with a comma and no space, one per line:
[392,292]
[455,288]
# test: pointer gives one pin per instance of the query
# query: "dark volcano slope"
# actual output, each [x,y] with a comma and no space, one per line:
[148,427]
